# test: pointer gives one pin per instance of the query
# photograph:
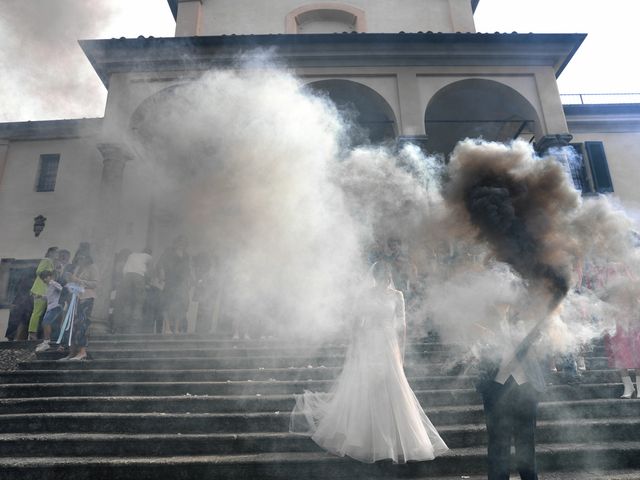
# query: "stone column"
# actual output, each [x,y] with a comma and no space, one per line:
[548,142]
[411,121]
[107,227]
[189,18]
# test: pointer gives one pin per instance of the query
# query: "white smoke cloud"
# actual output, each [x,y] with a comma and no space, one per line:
[44,73]
[248,164]
[256,157]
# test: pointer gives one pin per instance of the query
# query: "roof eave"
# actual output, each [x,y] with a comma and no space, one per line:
[149,54]
[50,129]
[173,5]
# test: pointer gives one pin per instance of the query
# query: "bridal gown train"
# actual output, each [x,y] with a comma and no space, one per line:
[371,413]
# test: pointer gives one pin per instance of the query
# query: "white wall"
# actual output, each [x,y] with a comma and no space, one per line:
[222,17]
[69,209]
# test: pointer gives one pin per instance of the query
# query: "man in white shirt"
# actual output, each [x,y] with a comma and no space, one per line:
[510,395]
[127,313]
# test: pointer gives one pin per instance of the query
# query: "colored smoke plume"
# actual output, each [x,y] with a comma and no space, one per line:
[521,206]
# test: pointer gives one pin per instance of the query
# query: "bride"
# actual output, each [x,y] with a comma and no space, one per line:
[371,413]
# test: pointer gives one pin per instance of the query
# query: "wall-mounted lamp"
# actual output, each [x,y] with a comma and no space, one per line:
[38,224]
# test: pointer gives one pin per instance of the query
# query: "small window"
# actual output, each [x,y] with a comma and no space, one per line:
[599,167]
[48,172]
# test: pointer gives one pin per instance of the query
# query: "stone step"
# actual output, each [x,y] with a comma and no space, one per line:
[281,346]
[88,375]
[248,387]
[277,347]
[109,445]
[251,402]
[226,340]
[246,393]
[234,356]
[179,342]
[189,363]
[285,348]
[193,415]
[308,465]
[281,374]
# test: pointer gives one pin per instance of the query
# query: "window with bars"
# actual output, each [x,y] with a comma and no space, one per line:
[48,172]
[590,169]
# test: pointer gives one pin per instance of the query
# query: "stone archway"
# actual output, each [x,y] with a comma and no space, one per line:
[152,142]
[370,117]
[478,108]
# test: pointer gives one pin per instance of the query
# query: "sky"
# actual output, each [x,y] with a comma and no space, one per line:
[45,75]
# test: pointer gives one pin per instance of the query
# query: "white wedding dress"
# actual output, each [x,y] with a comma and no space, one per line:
[371,413]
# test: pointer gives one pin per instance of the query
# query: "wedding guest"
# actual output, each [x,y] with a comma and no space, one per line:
[63,257]
[205,292]
[86,276]
[510,384]
[39,292]
[21,308]
[54,309]
[623,347]
[176,265]
[130,294]
[153,309]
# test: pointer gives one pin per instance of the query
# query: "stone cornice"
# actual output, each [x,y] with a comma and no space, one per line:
[603,118]
[336,50]
[173,6]
[50,129]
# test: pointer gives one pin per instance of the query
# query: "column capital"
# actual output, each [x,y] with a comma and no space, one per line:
[111,151]
[552,141]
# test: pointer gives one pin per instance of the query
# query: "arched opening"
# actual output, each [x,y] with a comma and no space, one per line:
[163,156]
[325,18]
[144,116]
[478,108]
[370,117]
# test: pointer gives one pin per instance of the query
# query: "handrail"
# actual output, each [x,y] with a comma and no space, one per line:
[598,98]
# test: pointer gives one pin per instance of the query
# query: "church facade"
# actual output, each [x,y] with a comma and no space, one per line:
[418,72]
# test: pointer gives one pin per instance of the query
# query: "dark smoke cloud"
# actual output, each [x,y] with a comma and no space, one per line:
[520,205]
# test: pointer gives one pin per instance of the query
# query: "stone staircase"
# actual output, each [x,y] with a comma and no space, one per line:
[202,407]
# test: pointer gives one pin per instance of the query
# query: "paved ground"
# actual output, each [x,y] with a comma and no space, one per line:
[12,353]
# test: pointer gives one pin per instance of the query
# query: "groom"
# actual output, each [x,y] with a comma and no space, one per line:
[510,390]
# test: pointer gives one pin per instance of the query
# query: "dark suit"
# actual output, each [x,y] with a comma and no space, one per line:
[511,412]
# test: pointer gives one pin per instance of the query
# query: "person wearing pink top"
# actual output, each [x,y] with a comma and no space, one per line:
[623,347]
